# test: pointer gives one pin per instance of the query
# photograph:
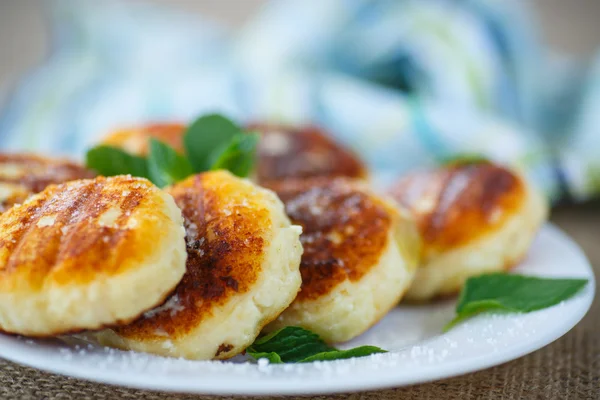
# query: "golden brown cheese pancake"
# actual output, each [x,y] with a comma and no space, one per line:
[283,151]
[21,175]
[86,254]
[360,255]
[302,152]
[474,218]
[242,272]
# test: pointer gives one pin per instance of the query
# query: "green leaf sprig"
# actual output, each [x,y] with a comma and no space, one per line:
[238,156]
[211,142]
[293,344]
[165,165]
[501,292]
[206,138]
[111,161]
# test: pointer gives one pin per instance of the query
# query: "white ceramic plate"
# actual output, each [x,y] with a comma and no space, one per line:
[419,352]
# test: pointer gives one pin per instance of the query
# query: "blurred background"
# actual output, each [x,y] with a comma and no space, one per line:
[406,83]
[567,26]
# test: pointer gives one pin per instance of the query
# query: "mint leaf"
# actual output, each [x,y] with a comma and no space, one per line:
[165,165]
[211,142]
[111,161]
[290,344]
[206,134]
[343,354]
[293,344]
[500,292]
[239,155]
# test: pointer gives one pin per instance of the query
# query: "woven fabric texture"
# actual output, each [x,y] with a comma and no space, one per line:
[567,369]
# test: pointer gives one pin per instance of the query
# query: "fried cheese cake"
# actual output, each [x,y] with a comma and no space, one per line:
[473,217]
[302,152]
[360,255]
[242,272]
[87,254]
[22,175]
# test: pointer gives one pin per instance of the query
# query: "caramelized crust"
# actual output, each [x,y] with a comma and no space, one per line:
[460,203]
[288,152]
[76,232]
[227,227]
[135,140]
[344,230]
[24,174]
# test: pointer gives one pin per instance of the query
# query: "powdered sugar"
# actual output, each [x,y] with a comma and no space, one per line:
[47,220]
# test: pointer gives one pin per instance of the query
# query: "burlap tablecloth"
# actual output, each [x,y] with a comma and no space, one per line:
[566,369]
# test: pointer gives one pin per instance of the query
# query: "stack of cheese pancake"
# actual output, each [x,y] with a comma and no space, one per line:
[198,270]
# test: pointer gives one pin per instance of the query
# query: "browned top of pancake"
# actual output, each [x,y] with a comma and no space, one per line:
[79,232]
[456,204]
[24,174]
[228,225]
[345,229]
[135,140]
[288,152]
